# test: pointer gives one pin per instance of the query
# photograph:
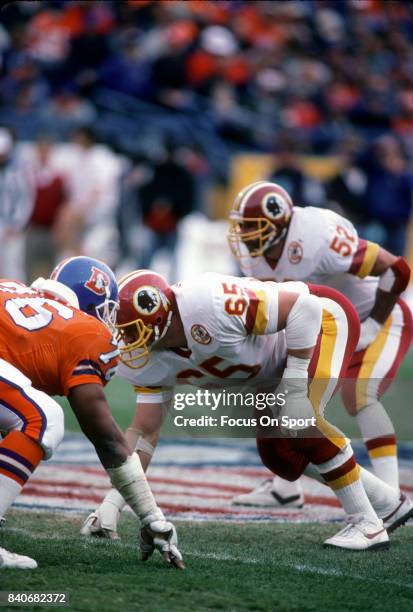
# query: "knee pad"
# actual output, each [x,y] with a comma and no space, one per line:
[54,428]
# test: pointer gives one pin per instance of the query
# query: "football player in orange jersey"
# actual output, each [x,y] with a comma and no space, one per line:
[50,346]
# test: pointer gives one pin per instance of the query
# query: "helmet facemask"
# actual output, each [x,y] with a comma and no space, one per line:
[257,238]
[142,335]
[258,220]
[106,312]
[138,338]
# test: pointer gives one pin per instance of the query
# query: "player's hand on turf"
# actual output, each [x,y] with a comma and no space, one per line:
[162,536]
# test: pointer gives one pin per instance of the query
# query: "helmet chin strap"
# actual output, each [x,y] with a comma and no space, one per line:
[159,336]
[276,240]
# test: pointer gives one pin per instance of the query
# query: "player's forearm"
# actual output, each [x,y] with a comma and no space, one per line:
[143,432]
[302,326]
[112,450]
[383,305]
[394,276]
[101,429]
[127,475]
[130,480]
[143,443]
[394,273]
[302,329]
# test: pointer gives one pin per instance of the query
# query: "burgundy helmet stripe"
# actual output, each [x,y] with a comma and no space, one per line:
[252,204]
[131,276]
[249,191]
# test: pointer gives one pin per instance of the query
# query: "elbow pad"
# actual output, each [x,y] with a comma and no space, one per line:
[303,322]
[396,278]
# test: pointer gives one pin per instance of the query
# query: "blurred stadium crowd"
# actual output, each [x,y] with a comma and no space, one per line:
[118,118]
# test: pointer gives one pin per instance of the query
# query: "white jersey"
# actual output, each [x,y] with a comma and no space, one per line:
[230,325]
[323,248]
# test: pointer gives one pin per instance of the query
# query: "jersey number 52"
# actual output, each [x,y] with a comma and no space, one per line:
[341,243]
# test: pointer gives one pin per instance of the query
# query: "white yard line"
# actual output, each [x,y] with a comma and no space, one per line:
[299,567]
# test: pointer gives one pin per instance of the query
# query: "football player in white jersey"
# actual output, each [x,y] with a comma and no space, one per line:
[221,330]
[274,240]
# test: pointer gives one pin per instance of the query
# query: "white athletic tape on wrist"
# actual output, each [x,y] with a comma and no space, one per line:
[130,480]
[145,446]
[295,383]
[303,322]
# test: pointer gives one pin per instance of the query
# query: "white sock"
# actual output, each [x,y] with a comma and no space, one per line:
[383,498]
[387,469]
[374,422]
[352,496]
[354,500]
[9,490]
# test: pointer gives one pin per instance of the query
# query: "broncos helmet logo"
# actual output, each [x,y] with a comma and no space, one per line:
[98,281]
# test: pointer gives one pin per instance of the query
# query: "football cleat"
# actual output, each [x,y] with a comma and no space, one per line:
[273,493]
[9,560]
[400,515]
[360,535]
[93,528]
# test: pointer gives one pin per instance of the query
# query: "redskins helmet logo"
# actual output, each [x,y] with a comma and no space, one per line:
[274,206]
[98,281]
[147,300]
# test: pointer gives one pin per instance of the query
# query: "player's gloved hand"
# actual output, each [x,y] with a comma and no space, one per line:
[160,535]
[368,333]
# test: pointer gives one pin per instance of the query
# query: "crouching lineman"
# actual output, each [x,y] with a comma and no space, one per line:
[50,346]
[273,240]
[219,330]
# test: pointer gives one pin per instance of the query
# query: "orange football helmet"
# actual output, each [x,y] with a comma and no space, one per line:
[144,315]
[259,219]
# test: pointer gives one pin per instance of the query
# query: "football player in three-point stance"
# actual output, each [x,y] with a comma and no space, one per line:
[274,240]
[221,330]
[50,346]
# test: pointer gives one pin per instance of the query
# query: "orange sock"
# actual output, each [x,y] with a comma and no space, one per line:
[19,456]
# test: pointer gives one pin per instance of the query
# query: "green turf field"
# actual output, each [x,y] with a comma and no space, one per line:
[229,567]
[271,567]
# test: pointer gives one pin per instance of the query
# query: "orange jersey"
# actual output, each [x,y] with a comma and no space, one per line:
[55,345]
